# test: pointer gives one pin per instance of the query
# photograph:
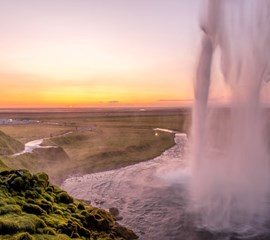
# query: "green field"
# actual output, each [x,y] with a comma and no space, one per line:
[91,141]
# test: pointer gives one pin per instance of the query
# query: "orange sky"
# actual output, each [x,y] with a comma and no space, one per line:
[87,53]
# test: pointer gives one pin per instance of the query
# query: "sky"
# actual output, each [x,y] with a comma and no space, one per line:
[105,53]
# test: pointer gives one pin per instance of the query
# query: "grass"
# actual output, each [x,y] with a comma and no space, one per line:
[29,132]
[98,142]
[9,145]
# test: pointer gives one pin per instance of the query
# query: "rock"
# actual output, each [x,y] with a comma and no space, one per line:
[114,211]
[126,233]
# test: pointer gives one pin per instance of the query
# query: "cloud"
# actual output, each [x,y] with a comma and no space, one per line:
[113,102]
[175,100]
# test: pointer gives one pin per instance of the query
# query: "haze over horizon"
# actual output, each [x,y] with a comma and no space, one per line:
[98,53]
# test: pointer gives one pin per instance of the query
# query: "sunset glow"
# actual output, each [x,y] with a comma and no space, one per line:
[88,53]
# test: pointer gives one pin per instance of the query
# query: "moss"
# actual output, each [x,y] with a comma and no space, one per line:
[42,179]
[48,197]
[98,220]
[45,205]
[59,212]
[81,206]
[8,227]
[18,184]
[72,207]
[24,236]
[19,223]
[10,209]
[33,208]
[125,233]
[31,194]
[49,231]
[39,190]
[50,189]
[54,220]
[63,197]
[36,213]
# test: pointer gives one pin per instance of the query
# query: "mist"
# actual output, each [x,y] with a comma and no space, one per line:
[230,156]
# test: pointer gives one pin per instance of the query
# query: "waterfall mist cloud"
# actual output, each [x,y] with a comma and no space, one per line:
[230,156]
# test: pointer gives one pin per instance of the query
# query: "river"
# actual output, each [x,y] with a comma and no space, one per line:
[151,196]
[30,146]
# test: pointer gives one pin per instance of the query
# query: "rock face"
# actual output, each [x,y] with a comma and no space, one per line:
[32,208]
[9,145]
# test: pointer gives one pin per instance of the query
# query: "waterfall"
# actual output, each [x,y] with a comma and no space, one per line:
[230,147]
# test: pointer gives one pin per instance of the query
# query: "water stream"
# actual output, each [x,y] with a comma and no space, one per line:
[31,145]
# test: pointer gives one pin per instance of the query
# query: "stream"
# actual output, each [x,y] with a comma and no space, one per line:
[30,146]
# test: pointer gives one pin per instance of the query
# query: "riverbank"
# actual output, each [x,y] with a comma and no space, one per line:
[95,142]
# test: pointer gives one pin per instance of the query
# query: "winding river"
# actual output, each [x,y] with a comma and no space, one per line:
[150,196]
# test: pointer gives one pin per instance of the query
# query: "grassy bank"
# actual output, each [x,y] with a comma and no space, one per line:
[97,142]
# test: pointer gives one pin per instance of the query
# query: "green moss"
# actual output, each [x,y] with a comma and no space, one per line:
[34,209]
[31,194]
[10,209]
[35,213]
[49,197]
[24,236]
[48,230]
[45,205]
[81,206]
[42,179]
[12,223]
[18,184]
[63,197]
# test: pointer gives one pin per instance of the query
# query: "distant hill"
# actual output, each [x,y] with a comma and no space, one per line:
[9,145]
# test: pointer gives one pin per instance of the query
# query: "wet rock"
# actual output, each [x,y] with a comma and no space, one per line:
[99,202]
[115,213]
[125,233]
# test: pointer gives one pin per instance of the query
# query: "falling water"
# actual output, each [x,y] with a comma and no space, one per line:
[231,175]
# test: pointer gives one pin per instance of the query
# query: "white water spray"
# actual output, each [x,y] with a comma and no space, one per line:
[231,173]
